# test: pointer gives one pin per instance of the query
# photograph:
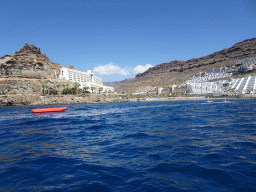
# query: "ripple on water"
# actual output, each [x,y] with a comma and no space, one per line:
[144,146]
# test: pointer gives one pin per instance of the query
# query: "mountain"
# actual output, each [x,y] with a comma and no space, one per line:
[177,72]
[26,71]
[27,75]
[29,62]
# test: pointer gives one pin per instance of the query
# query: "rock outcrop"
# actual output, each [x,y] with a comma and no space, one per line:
[13,86]
[34,99]
[70,67]
[29,62]
[28,75]
[177,72]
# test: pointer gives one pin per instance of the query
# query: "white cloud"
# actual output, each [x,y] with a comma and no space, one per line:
[110,69]
[141,68]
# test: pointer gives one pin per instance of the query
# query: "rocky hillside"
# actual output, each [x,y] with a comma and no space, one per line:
[177,72]
[14,86]
[26,71]
[29,62]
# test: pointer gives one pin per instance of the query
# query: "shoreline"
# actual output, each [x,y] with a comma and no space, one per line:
[37,100]
[93,99]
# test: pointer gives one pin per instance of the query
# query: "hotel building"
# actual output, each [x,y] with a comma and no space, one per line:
[85,79]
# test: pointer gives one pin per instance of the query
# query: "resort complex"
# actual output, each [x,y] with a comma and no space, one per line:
[86,80]
[230,80]
[244,85]
[207,82]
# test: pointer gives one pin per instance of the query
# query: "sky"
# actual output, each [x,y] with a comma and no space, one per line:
[118,39]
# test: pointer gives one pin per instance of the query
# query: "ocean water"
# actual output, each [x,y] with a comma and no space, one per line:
[143,146]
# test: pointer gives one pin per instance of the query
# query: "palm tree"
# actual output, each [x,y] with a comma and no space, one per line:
[74,89]
[85,89]
[100,89]
[92,88]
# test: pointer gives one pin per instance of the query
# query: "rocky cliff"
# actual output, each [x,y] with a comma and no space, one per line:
[177,72]
[28,73]
[29,62]
[23,74]
[14,86]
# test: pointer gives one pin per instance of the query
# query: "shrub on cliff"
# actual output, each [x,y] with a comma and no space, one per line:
[53,92]
[45,89]
[73,90]
[66,91]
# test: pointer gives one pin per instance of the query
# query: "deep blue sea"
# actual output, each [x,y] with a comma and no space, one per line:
[142,146]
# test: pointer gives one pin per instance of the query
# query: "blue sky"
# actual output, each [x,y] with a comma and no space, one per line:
[118,39]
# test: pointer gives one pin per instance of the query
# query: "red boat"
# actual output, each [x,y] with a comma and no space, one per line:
[46,110]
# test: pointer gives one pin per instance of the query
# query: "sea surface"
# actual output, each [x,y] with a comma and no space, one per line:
[142,146]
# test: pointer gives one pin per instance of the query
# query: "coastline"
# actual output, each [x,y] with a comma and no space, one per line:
[37,100]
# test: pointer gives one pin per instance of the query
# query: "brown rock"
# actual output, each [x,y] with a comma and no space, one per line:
[71,67]
[29,62]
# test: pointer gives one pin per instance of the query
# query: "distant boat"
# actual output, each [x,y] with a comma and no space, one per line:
[209,101]
[46,110]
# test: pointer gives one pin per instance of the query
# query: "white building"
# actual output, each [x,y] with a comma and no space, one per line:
[84,79]
[199,84]
[242,85]
[159,90]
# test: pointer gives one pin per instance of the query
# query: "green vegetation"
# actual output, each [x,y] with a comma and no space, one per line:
[176,94]
[53,92]
[85,89]
[45,89]
[66,91]
[73,90]
[100,89]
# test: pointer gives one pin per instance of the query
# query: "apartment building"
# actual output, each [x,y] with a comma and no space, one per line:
[85,79]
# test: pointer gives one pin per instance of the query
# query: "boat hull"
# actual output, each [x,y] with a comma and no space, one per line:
[47,110]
